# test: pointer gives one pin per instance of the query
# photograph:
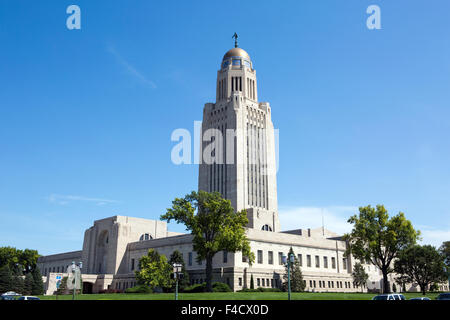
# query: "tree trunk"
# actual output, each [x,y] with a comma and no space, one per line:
[423,289]
[209,273]
[386,288]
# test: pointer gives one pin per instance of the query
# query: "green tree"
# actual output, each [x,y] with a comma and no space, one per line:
[377,238]
[177,257]
[63,286]
[154,270]
[38,285]
[444,250]
[360,275]
[214,224]
[252,282]
[25,260]
[18,284]
[28,284]
[5,279]
[394,288]
[297,283]
[422,265]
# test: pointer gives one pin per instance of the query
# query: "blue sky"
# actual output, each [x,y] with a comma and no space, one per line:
[86,115]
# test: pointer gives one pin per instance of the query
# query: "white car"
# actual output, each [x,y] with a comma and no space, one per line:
[390,296]
[28,298]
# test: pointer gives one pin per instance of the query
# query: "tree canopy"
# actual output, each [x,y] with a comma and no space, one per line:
[359,275]
[377,238]
[214,225]
[297,282]
[154,270]
[422,265]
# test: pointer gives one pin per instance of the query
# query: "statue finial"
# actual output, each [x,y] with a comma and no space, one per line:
[235,36]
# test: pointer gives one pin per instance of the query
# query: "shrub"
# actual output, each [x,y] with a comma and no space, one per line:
[110,291]
[217,287]
[195,288]
[139,289]
[221,287]
[260,289]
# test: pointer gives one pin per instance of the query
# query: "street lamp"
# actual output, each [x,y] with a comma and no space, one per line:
[177,274]
[76,273]
[289,262]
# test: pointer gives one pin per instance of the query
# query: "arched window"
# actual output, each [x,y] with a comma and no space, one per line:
[145,236]
[266,227]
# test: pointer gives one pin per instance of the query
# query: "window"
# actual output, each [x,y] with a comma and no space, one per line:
[317,262]
[225,256]
[270,257]
[266,227]
[132,264]
[190,259]
[333,262]
[300,260]
[280,258]
[240,282]
[325,262]
[260,256]
[244,259]
[145,236]
[344,263]
[258,282]
[308,260]
[310,283]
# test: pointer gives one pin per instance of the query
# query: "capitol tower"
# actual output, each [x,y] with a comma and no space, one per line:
[238,144]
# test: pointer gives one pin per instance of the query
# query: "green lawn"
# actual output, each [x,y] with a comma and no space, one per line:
[230,296]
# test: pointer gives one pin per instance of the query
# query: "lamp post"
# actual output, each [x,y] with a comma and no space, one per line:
[76,271]
[177,268]
[289,262]
[74,280]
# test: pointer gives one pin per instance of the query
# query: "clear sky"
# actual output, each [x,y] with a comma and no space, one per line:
[86,115]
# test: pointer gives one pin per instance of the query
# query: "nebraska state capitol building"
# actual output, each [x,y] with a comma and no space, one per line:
[242,168]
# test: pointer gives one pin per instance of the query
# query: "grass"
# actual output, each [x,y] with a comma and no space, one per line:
[231,296]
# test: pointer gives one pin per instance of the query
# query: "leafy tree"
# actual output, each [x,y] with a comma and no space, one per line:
[18,284]
[214,224]
[154,270]
[38,285]
[28,284]
[444,250]
[177,257]
[63,286]
[422,265]
[252,282]
[5,279]
[25,260]
[297,283]
[359,275]
[394,288]
[377,238]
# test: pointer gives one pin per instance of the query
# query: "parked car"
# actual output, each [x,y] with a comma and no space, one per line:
[10,295]
[420,298]
[28,298]
[443,296]
[390,296]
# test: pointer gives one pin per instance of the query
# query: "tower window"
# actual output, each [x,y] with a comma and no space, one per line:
[266,227]
[145,236]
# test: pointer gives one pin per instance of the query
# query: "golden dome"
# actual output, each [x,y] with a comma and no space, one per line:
[236,52]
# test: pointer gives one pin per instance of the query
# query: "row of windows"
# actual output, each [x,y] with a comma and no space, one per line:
[125,285]
[339,284]
[257,185]
[260,260]
[59,269]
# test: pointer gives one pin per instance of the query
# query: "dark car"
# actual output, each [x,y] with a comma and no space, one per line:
[443,296]
[7,298]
